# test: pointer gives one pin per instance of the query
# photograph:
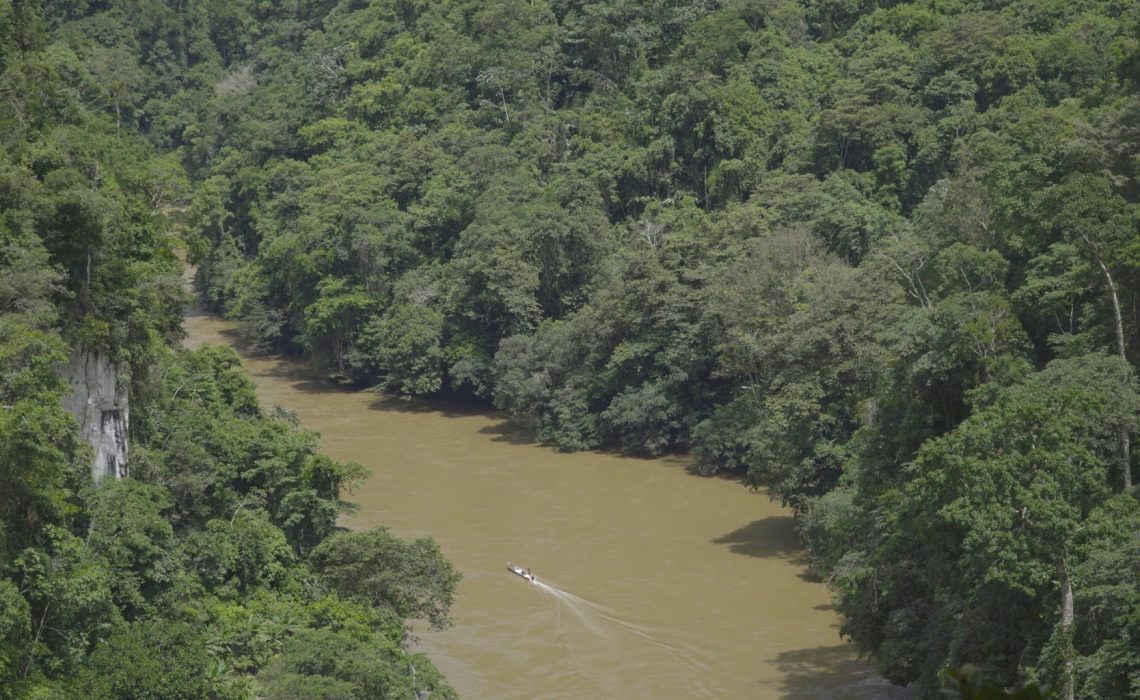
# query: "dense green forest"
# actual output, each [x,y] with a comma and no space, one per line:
[215,570]
[881,258]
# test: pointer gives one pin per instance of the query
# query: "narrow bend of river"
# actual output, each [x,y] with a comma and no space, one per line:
[654,583]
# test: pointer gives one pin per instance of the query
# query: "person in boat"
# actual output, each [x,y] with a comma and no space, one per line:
[529,574]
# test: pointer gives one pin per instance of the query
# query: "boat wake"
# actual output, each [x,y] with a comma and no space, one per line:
[604,622]
[586,612]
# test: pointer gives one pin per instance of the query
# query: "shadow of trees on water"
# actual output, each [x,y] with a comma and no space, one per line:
[443,407]
[297,374]
[514,434]
[833,672]
[771,537]
[303,377]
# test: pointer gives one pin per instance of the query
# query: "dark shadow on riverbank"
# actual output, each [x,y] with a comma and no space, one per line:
[299,376]
[773,537]
[767,538]
[513,434]
[445,408]
[232,335]
[274,365]
[832,672]
[303,377]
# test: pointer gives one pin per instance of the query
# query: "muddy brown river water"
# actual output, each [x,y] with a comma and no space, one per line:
[654,583]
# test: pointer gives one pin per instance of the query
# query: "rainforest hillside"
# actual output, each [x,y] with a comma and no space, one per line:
[213,568]
[881,258]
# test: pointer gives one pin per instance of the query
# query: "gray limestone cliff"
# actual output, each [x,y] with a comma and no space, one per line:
[99,404]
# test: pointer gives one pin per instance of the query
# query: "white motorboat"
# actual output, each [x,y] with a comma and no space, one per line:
[525,573]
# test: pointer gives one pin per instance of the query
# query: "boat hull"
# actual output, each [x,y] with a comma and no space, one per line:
[516,569]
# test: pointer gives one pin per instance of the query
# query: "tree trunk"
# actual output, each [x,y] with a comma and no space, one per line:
[1125,439]
[706,188]
[1067,689]
[506,112]
[35,642]
[1125,449]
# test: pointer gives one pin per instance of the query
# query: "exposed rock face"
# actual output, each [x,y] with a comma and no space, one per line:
[100,405]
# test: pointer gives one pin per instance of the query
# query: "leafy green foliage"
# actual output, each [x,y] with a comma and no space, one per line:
[969,685]
[160,660]
[185,580]
[196,573]
[219,453]
[413,578]
[993,511]
[869,255]
[828,247]
[69,590]
[404,347]
[323,664]
[129,530]
[15,636]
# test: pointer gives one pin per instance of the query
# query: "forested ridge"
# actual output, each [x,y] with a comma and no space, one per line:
[880,258]
[215,569]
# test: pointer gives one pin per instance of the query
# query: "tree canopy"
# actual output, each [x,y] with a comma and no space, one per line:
[190,578]
[879,258]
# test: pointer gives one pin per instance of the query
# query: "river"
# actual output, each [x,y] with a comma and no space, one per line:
[654,583]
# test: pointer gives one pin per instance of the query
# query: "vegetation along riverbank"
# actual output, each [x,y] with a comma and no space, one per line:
[879,258]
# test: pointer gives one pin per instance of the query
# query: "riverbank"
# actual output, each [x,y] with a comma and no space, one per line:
[661,584]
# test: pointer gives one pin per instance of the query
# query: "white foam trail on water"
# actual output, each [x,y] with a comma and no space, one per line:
[588,611]
[573,603]
[646,635]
